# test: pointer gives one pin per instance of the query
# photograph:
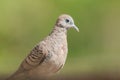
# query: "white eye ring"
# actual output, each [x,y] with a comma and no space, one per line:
[67,20]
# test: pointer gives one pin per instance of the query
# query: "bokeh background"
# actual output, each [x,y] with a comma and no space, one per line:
[94,50]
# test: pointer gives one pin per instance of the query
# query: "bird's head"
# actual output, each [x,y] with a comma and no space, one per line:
[66,21]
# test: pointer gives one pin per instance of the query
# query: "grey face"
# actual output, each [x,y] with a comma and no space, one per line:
[67,22]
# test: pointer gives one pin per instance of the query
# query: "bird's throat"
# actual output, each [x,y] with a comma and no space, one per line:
[58,31]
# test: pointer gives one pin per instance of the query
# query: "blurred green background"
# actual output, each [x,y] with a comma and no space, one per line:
[96,48]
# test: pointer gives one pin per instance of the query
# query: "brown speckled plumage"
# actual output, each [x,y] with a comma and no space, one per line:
[48,56]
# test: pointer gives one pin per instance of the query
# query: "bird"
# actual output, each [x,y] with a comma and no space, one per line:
[49,55]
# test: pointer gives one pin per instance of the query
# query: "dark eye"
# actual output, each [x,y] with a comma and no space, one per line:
[67,20]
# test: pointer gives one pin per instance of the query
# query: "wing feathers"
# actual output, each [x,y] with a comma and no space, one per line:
[35,58]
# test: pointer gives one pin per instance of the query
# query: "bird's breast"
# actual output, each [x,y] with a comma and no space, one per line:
[55,58]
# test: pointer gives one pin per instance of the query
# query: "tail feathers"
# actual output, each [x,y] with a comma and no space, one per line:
[17,76]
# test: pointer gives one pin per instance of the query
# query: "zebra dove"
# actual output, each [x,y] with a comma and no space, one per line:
[49,55]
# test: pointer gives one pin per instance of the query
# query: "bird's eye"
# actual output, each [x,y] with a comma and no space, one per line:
[67,20]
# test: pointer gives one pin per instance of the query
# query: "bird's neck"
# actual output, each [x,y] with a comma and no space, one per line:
[58,38]
[58,31]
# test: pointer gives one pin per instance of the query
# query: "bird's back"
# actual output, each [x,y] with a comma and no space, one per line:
[46,58]
[55,47]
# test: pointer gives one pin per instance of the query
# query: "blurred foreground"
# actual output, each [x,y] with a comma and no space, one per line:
[86,76]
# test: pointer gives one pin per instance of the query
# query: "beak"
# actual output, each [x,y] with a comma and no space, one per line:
[76,28]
